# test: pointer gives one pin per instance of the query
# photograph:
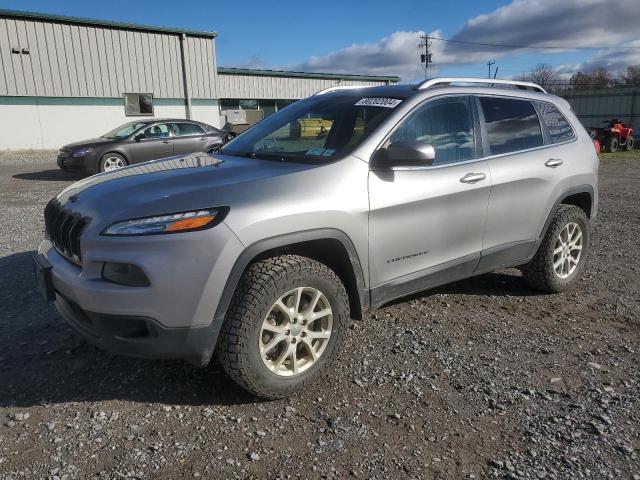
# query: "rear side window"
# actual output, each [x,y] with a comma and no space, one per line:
[186,129]
[512,125]
[557,126]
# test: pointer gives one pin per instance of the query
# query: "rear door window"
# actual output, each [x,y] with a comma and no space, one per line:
[159,130]
[557,125]
[187,129]
[512,125]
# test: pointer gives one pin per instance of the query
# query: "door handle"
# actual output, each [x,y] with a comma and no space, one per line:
[203,138]
[166,141]
[473,177]
[553,162]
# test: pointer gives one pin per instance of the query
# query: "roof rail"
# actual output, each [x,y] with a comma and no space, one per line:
[343,87]
[445,81]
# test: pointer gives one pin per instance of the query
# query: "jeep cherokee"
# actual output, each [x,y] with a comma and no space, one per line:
[260,254]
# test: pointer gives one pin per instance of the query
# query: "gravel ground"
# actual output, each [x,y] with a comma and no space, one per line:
[484,378]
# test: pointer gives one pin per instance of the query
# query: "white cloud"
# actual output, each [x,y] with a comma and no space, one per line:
[613,60]
[537,23]
[396,54]
[542,23]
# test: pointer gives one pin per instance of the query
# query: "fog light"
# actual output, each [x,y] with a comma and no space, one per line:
[125,274]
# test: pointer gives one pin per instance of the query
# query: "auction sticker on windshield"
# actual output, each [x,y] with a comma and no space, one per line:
[378,102]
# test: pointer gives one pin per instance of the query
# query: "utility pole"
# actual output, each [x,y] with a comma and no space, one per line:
[426,56]
[489,63]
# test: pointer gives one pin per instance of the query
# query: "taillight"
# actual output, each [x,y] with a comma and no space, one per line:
[596,144]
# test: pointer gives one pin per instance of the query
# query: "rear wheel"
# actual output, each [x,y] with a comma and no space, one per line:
[287,321]
[612,144]
[630,143]
[112,161]
[562,254]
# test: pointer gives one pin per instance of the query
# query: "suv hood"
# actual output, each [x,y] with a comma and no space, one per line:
[170,185]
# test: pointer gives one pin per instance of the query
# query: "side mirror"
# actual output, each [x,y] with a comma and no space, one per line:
[139,137]
[405,153]
[411,153]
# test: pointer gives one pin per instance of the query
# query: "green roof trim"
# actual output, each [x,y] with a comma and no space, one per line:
[100,23]
[284,73]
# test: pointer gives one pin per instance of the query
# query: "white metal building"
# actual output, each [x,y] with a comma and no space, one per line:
[270,90]
[64,79]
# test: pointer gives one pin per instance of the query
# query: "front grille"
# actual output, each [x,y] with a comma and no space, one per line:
[64,229]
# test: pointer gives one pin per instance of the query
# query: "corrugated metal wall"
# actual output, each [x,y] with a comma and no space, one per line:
[277,87]
[69,60]
[593,107]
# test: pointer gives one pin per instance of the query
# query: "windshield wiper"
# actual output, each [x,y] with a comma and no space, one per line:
[254,155]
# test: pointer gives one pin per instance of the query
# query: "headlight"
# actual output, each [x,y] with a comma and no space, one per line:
[171,223]
[83,152]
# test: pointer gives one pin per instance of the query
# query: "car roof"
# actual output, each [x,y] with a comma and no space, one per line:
[155,120]
[428,87]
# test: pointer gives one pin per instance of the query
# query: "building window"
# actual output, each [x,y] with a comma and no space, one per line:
[138,104]
[280,104]
[249,104]
[267,106]
[229,104]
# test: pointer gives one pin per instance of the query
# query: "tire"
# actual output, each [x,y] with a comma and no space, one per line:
[253,306]
[111,161]
[612,144]
[540,272]
[630,143]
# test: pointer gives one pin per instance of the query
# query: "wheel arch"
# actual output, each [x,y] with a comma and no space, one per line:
[581,196]
[329,246]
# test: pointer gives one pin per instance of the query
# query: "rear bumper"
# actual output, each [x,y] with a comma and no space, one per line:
[139,336]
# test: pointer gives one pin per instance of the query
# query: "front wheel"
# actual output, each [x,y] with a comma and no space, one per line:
[612,144]
[111,161]
[286,322]
[630,143]
[562,254]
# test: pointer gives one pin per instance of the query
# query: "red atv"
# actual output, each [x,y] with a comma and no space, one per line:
[614,136]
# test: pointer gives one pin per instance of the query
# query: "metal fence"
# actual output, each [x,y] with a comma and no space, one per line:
[594,106]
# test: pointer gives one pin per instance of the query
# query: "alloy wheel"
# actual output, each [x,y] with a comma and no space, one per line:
[296,331]
[113,163]
[567,250]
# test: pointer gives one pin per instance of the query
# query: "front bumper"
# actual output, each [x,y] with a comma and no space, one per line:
[139,336]
[173,317]
[66,161]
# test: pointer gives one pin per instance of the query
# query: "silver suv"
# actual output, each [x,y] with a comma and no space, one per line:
[263,252]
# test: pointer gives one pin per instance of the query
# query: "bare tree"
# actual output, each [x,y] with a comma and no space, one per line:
[596,80]
[632,77]
[543,74]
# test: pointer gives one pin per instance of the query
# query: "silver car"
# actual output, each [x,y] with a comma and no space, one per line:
[337,204]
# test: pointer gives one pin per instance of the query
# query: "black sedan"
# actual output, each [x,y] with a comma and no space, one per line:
[140,141]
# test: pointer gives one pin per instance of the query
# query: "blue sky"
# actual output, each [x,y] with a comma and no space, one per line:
[380,37]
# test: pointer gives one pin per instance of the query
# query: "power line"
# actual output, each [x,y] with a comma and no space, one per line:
[548,47]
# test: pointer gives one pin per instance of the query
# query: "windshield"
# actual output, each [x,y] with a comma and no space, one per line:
[319,129]
[124,130]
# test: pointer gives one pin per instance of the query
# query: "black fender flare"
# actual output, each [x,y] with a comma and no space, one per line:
[564,195]
[289,239]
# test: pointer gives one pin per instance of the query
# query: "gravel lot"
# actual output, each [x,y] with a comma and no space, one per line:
[480,379]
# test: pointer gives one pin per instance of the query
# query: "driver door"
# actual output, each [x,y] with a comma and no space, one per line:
[426,223]
[155,144]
